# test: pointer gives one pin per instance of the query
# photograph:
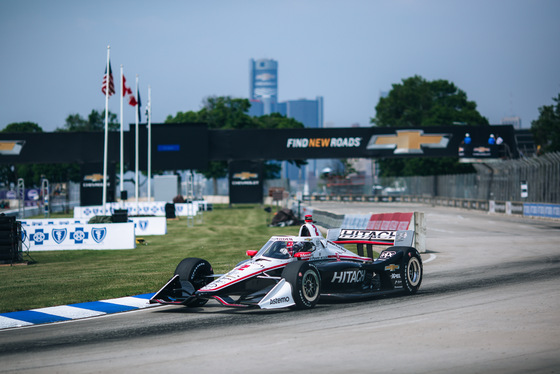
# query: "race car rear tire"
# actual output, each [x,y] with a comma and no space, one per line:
[195,270]
[411,271]
[305,280]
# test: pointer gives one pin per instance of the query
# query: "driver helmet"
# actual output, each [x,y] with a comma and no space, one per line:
[297,247]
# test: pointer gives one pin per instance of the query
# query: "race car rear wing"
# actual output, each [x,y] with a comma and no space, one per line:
[369,238]
[375,237]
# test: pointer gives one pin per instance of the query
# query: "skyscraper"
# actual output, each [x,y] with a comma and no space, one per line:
[263,94]
[308,112]
[263,84]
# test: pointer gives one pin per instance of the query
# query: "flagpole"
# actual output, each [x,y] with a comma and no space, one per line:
[136,150]
[106,142]
[149,142]
[122,134]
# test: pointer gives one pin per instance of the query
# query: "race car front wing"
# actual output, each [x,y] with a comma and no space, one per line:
[176,292]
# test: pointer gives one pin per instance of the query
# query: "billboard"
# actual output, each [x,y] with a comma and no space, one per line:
[91,185]
[368,142]
[183,146]
[245,182]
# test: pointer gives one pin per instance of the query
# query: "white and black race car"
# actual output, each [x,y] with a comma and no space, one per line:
[297,271]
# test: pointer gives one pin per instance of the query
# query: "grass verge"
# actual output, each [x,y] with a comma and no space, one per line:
[67,277]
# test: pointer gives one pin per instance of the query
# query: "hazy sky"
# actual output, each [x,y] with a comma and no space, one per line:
[505,54]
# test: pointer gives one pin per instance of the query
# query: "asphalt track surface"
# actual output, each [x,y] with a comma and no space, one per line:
[489,303]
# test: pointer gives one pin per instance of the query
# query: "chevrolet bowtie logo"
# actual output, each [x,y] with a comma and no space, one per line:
[93,178]
[408,141]
[11,147]
[245,175]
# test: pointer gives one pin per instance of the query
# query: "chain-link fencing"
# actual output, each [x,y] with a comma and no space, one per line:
[535,179]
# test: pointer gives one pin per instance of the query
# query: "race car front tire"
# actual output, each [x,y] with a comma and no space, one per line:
[411,271]
[305,280]
[195,271]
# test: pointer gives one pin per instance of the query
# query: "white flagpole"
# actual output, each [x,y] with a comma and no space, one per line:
[136,149]
[122,134]
[106,142]
[149,142]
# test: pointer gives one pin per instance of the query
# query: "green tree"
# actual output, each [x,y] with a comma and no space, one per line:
[221,112]
[546,128]
[183,117]
[277,121]
[94,122]
[225,112]
[217,113]
[55,173]
[22,127]
[419,103]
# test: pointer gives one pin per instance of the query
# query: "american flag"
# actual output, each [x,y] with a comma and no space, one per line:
[111,84]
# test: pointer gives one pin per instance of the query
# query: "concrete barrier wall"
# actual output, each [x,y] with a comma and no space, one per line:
[490,206]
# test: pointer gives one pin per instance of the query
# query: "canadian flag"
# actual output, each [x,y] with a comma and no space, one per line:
[128,92]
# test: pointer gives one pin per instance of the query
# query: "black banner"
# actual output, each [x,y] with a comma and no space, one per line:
[54,148]
[91,186]
[370,142]
[245,182]
[192,145]
[175,146]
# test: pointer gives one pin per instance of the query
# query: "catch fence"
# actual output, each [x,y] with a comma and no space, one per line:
[535,179]
[528,186]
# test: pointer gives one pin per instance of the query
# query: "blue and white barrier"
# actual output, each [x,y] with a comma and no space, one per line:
[156,208]
[142,225]
[78,236]
[149,225]
[541,210]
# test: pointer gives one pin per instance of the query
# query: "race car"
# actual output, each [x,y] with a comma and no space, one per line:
[296,271]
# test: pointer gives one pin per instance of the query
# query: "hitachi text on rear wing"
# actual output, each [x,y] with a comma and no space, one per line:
[369,238]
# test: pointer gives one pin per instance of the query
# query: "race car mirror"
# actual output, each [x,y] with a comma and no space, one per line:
[251,253]
[404,238]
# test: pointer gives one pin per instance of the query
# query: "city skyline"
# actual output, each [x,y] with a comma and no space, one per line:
[501,53]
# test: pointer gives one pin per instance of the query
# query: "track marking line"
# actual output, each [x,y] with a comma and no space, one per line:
[431,258]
